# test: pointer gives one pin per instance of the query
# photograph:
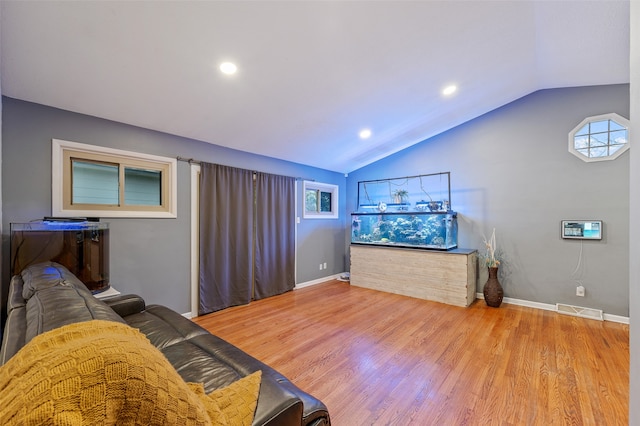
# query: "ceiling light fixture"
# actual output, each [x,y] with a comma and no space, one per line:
[228,68]
[449,90]
[365,134]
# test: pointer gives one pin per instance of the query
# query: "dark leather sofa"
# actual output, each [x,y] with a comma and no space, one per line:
[46,296]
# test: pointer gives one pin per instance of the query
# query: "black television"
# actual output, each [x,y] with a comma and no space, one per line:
[80,246]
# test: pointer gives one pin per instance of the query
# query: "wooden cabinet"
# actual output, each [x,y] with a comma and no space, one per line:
[441,276]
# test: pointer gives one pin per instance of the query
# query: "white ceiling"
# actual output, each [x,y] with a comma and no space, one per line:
[311,73]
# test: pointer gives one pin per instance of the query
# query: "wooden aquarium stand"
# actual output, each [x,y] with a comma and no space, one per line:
[442,276]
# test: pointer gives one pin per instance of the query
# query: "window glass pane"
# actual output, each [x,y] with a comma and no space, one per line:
[618,137]
[325,201]
[580,142]
[600,126]
[598,140]
[616,126]
[311,200]
[599,152]
[583,131]
[142,187]
[614,148]
[94,183]
[584,152]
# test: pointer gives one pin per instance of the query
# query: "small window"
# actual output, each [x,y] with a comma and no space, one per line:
[603,137]
[320,200]
[94,181]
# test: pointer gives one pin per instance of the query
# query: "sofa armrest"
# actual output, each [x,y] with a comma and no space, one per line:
[15,327]
[126,305]
[14,334]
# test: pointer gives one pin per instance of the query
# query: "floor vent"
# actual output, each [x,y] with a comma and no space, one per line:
[579,311]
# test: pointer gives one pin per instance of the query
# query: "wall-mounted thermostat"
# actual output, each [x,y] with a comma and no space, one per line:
[582,229]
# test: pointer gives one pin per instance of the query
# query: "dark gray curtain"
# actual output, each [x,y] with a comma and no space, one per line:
[226,237]
[247,236]
[275,235]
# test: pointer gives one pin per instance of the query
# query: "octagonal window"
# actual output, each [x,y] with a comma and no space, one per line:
[603,137]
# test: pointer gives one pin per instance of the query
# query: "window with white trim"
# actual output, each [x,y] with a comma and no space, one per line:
[603,137]
[320,200]
[93,181]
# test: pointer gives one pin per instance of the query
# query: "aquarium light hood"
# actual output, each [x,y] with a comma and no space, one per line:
[70,219]
[68,223]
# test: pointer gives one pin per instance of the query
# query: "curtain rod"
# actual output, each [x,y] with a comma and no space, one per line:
[192,161]
[187,160]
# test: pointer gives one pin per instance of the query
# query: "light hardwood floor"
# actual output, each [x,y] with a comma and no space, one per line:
[382,359]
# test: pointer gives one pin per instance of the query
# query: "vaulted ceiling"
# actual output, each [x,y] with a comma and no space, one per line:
[311,74]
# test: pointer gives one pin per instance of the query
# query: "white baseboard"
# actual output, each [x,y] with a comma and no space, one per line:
[189,315]
[616,318]
[549,307]
[318,281]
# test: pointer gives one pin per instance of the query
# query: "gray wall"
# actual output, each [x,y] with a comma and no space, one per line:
[149,257]
[322,240]
[511,170]
[634,252]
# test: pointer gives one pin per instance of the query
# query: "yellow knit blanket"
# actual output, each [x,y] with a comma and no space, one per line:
[103,372]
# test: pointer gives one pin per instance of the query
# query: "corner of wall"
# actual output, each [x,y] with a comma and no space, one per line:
[634,225]
[2,291]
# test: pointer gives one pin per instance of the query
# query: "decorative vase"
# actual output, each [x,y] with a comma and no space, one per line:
[492,290]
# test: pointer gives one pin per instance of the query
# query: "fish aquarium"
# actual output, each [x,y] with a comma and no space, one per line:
[80,246]
[425,230]
[411,211]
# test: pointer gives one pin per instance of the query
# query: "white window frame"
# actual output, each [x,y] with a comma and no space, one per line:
[325,187]
[61,184]
[611,116]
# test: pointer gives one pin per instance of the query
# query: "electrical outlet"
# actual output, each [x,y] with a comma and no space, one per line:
[580,291]
[325,265]
[321,266]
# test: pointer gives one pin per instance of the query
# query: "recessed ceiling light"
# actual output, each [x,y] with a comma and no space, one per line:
[365,134]
[449,90]
[228,68]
